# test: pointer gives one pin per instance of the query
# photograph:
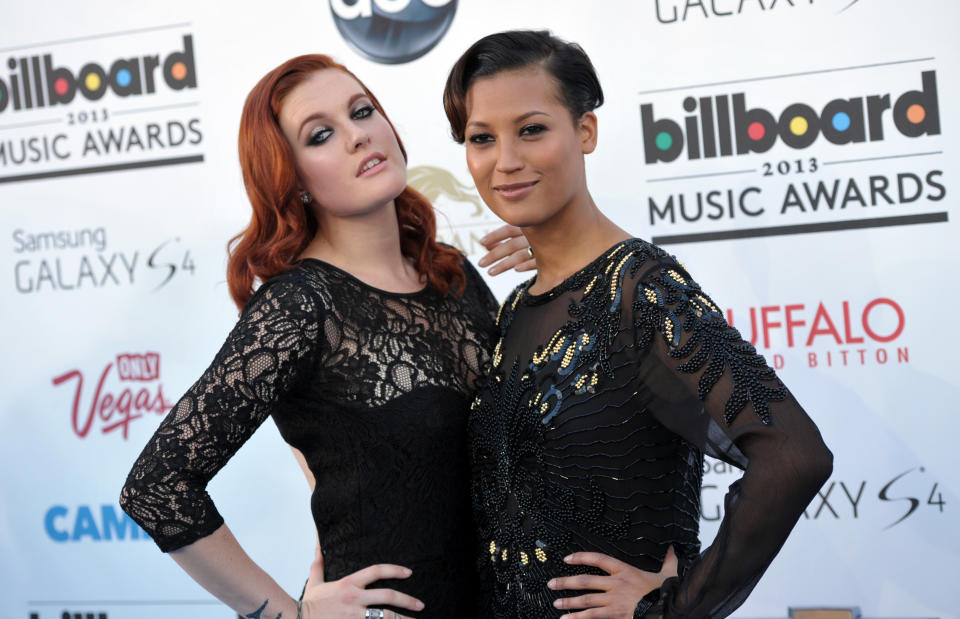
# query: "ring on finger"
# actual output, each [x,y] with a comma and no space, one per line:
[530,251]
[373,613]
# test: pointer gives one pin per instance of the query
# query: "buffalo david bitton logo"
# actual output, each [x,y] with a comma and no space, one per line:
[393,31]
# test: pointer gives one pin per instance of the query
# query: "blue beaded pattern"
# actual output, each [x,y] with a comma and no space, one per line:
[530,518]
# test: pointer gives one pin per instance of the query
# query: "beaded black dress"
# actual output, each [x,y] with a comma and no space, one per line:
[374,389]
[589,435]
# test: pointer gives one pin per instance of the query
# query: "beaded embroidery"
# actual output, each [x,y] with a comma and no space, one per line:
[680,307]
[545,482]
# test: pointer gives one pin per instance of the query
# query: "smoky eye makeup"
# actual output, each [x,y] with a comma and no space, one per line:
[318,135]
[322,133]
[532,129]
[363,111]
[480,138]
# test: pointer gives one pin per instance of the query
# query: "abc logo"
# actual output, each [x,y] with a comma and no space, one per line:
[393,31]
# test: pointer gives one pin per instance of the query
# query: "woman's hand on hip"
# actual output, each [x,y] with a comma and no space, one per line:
[619,591]
[349,596]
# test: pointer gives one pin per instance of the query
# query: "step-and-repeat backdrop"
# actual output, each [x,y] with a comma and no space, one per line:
[800,157]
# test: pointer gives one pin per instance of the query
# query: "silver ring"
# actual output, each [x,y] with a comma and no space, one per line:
[530,251]
[373,613]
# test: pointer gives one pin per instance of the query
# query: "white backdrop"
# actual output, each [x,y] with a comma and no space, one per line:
[837,255]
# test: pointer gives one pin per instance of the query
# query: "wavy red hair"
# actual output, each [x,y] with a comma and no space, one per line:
[281,226]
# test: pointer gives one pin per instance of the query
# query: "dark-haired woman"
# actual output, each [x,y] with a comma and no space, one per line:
[365,342]
[613,374]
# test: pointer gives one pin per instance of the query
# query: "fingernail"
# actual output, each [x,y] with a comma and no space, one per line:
[419,605]
[483,262]
[407,571]
[557,604]
[552,584]
[567,558]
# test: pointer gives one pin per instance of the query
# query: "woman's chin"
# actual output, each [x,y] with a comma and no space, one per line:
[518,215]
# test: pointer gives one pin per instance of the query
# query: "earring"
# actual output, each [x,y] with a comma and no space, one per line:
[306,198]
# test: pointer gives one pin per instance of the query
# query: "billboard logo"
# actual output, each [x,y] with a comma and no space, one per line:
[89,111]
[393,31]
[29,87]
[708,132]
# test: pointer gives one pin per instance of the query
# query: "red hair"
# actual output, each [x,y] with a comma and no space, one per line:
[281,227]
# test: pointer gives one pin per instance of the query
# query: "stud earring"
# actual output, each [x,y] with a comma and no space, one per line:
[306,198]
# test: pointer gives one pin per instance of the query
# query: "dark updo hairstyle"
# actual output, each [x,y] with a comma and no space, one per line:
[517,49]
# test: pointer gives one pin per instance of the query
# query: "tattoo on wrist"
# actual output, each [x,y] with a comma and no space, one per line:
[256,614]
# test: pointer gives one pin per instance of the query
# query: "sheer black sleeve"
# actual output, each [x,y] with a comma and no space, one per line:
[482,296]
[709,386]
[269,350]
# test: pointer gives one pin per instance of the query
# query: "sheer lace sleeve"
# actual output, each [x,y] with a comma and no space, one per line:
[267,353]
[708,385]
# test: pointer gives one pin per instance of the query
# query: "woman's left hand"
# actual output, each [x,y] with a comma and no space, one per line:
[621,589]
[506,249]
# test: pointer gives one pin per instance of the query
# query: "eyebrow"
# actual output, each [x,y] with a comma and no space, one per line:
[518,119]
[315,116]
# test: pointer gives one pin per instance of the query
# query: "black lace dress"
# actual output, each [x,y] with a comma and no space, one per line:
[590,432]
[374,389]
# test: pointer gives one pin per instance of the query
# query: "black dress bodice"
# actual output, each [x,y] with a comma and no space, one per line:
[373,388]
[590,432]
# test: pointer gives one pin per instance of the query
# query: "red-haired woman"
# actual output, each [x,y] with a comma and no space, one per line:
[364,341]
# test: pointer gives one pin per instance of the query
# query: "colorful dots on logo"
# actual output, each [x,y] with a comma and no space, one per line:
[664,140]
[91,82]
[799,125]
[727,125]
[841,121]
[178,71]
[916,113]
[124,78]
[39,81]
[756,131]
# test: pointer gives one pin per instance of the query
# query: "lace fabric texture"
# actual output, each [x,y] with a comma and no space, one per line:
[590,432]
[373,388]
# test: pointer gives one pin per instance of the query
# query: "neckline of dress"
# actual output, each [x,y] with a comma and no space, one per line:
[573,281]
[364,284]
